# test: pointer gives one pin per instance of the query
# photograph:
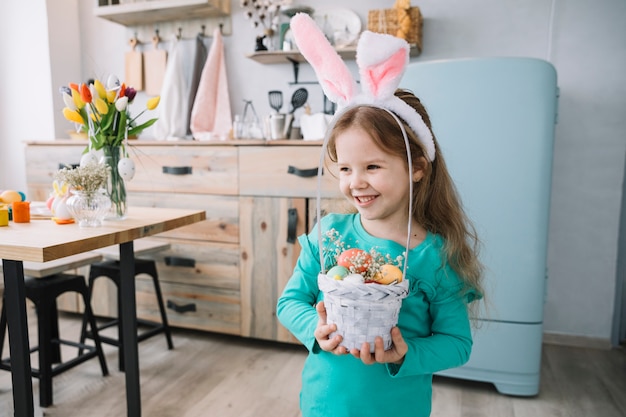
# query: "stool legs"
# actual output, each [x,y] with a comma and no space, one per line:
[43,293]
[111,270]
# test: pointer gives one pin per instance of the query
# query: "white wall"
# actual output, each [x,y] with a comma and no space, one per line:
[586,47]
[25,97]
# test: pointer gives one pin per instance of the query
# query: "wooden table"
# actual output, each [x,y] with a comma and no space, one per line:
[44,240]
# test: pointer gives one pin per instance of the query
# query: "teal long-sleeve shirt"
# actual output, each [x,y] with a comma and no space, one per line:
[433,321]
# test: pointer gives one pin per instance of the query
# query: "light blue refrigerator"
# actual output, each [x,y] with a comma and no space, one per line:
[494,119]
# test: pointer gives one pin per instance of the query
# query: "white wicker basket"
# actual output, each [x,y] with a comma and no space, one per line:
[362,311]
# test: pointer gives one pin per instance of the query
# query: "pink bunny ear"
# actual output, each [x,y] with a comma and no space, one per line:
[332,73]
[382,60]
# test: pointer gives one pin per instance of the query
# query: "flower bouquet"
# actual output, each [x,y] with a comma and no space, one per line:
[103,113]
[363,292]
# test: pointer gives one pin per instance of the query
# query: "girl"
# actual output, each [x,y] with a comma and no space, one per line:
[367,143]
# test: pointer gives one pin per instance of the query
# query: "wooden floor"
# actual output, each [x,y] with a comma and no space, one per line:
[215,375]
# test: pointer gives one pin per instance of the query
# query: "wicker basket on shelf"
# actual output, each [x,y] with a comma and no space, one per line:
[386,21]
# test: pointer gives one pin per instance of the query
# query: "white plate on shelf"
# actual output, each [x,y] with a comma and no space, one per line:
[344,24]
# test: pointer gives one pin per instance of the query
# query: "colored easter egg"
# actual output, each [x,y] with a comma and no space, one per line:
[356,260]
[126,168]
[338,272]
[10,196]
[388,274]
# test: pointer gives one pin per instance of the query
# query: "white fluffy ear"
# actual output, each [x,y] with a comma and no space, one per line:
[382,60]
[332,73]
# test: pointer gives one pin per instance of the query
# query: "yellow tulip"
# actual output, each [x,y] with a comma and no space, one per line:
[111,96]
[77,100]
[102,92]
[101,106]
[73,116]
[153,102]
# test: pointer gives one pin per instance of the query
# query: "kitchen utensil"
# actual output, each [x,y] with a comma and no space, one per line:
[277,126]
[155,62]
[276,100]
[134,66]
[298,99]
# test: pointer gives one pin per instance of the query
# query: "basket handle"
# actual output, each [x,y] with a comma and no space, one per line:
[318,196]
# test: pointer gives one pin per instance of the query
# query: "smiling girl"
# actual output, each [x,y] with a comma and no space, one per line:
[368,142]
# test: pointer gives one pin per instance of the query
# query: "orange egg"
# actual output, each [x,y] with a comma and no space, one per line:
[388,274]
[10,196]
[354,259]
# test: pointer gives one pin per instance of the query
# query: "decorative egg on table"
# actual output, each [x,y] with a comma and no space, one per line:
[61,212]
[11,196]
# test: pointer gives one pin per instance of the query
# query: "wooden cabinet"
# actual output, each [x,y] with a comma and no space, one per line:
[226,273]
[276,185]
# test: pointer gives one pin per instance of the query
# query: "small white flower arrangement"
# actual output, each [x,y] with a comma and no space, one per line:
[88,178]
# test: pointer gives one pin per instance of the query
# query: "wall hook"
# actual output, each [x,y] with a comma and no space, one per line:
[156,38]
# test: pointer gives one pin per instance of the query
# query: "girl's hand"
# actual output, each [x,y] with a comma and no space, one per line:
[395,354]
[323,331]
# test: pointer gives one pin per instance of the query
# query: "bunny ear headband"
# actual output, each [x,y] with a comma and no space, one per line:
[381,59]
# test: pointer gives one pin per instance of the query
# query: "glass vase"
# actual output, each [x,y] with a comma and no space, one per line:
[116,188]
[88,208]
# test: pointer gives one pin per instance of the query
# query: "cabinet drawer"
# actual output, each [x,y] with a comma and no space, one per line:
[190,306]
[284,171]
[185,169]
[206,264]
[222,214]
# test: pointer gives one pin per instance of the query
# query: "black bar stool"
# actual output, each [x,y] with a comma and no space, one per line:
[111,270]
[43,292]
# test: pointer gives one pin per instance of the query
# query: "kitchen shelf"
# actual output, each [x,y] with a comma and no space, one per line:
[279,57]
[296,58]
[152,11]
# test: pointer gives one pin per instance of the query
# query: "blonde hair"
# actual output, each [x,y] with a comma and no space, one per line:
[436,203]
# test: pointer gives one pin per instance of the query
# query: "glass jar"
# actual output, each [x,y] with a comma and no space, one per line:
[88,208]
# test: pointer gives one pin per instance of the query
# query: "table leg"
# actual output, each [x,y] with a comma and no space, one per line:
[129,328]
[14,296]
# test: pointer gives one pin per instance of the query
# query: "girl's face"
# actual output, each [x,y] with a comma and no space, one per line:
[374,181]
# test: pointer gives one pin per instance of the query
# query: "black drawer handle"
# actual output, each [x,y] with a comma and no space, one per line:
[70,166]
[292,224]
[177,261]
[181,308]
[305,173]
[177,170]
